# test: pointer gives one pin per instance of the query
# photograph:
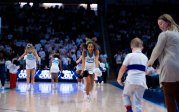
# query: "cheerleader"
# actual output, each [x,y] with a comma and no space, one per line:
[54,69]
[30,56]
[90,61]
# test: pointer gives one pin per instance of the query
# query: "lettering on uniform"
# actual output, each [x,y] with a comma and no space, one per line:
[90,60]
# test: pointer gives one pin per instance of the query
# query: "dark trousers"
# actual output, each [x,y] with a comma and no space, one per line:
[13,78]
[2,78]
[171,93]
[152,81]
[104,75]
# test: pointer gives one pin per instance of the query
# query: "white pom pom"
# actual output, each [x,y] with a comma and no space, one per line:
[8,63]
[104,69]
[97,72]
[102,65]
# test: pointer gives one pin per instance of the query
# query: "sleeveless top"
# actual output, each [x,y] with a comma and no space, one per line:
[90,62]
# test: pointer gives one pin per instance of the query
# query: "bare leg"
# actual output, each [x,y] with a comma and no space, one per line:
[32,76]
[78,79]
[52,76]
[92,81]
[28,76]
[56,77]
[88,84]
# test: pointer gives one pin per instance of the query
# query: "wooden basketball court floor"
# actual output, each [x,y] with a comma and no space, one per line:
[68,97]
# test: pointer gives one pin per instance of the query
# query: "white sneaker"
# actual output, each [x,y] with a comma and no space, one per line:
[28,87]
[56,91]
[94,84]
[53,86]
[99,84]
[79,83]
[88,98]
[102,82]
[56,86]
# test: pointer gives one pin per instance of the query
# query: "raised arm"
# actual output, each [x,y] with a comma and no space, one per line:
[61,68]
[36,55]
[22,56]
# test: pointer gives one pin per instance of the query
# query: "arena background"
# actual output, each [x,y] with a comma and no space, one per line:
[113,22]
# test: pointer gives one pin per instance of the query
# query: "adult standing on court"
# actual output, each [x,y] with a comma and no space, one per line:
[2,69]
[166,50]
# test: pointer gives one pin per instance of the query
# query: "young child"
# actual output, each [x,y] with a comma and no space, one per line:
[135,63]
[54,69]
[13,67]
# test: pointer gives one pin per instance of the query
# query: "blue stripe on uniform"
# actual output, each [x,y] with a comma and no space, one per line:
[136,67]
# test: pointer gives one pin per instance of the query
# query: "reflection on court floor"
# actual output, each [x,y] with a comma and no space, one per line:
[67,97]
[46,88]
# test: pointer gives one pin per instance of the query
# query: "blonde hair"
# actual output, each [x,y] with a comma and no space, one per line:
[168,18]
[29,47]
[136,43]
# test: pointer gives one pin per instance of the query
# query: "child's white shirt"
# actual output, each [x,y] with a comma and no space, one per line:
[13,68]
[136,76]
